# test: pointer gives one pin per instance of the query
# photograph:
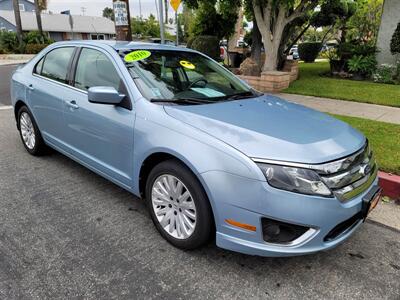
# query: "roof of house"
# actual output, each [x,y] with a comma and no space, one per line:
[60,23]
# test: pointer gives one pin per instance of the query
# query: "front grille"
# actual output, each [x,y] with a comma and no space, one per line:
[350,176]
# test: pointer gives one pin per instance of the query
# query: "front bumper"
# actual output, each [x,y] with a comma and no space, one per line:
[248,201]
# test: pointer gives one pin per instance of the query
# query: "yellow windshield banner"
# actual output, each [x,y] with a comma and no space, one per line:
[137,55]
[187,64]
[175,4]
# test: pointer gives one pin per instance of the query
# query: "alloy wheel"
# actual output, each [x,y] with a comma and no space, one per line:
[173,206]
[27,131]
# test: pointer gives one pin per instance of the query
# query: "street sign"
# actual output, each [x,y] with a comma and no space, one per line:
[175,4]
[121,13]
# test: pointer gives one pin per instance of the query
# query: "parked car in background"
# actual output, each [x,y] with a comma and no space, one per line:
[210,155]
[294,52]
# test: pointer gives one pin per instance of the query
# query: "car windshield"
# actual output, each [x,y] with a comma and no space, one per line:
[182,75]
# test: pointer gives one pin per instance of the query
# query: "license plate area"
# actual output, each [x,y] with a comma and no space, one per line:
[371,200]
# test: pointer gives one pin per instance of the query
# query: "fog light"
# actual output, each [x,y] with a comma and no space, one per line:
[277,232]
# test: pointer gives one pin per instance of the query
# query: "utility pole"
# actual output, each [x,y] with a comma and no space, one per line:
[161,20]
[122,20]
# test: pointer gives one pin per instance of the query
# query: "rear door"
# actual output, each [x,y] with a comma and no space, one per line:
[46,89]
[100,135]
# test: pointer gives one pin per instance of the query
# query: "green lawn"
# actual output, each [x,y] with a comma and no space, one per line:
[384,139]
[311,83]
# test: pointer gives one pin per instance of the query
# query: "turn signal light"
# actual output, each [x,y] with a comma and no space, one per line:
[241,225]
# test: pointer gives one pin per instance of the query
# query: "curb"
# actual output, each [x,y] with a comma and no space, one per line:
[390,184]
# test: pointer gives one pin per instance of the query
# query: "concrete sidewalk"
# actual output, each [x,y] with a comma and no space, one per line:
[347,108]
[14,59]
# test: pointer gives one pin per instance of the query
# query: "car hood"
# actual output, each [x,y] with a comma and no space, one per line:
[271,128]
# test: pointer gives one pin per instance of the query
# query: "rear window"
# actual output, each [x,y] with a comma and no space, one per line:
[56,63]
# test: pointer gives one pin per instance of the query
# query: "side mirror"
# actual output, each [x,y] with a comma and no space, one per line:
[104,95]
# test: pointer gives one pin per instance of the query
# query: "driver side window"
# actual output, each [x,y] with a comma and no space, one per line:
[95,69]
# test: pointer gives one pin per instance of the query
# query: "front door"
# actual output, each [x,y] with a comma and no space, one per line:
[100,135]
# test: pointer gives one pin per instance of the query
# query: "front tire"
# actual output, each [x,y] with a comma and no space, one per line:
[29,132]
[178,205]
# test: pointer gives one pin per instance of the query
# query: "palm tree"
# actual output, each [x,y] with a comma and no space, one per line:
[38,17]
[18,24]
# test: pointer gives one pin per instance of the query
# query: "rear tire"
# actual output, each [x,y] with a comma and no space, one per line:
[29,132]
[178,205]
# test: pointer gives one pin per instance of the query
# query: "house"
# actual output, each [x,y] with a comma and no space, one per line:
[24,5]
[390,19]
[57,26]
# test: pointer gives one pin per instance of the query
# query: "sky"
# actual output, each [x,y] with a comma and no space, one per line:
[95,7]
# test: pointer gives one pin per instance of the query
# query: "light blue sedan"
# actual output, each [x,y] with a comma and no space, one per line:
[210,155]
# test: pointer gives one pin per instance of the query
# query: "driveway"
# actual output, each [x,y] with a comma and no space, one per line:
[68,233]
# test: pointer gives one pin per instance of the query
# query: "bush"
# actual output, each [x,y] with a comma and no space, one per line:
[9,42]
[385,74]
[309,51]
[395,41]
[34,48]
[362,65]
[34,37]
[207,44]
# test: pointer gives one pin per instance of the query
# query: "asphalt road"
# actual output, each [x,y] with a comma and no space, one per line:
[68,233]
[5,77]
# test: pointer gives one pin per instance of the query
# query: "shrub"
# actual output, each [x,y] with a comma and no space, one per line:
[34,48]
[395,41]
[363,65]
[34,37]
[385,74]
[208,45]
[9,42]
[309,51]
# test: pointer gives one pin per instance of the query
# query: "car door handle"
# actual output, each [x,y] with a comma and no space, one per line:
[31,88]
[72,104]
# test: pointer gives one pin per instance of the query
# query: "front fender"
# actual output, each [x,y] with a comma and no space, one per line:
[157,132]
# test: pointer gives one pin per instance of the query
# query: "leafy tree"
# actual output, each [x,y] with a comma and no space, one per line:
[395,41]
[146,27]
[108,13]
[279,20]
[363,26]
[213,17]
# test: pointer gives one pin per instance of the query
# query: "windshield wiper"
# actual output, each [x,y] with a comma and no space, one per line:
[181,101]
[243,95]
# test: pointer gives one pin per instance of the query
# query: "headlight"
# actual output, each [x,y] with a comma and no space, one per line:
[303,181]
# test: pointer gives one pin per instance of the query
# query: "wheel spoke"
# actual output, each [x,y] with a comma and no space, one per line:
[173,206]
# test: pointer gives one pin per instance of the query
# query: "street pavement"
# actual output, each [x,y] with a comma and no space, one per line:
[5,77]
[65,232]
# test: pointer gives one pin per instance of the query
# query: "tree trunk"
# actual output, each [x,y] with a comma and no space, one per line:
[257,43]
[38,17]
[18,24]
[166,11]
[271,59]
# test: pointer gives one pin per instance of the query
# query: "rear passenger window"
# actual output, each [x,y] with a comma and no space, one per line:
[95,69]
[56,62]
[39,66]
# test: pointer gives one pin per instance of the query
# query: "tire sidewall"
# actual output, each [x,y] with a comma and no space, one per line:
[203,227]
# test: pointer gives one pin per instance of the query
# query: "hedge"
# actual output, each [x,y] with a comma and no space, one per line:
[309,51]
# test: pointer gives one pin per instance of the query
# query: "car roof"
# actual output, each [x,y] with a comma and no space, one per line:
[121,45]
